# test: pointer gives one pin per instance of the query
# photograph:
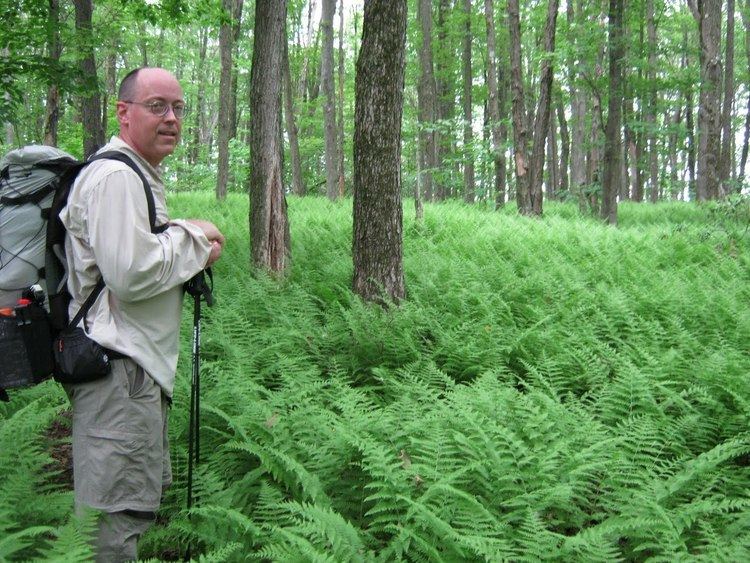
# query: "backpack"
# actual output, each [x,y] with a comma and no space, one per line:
[35,182]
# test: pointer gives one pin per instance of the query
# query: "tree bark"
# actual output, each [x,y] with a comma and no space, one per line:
[631,142]
[594,172]
[54,49]
[520,131]
[236,29]
[564,146]
[672,152]
[746,140]
[650,106]
[727,141]
[269,225]
[612,173]
[298,182]
[578,111]
[378,218]
[418,205]
[110,79]
[709,132]
[553,168]
[200,118]
[340,105]
[624,182]
[326,78]
[498,148]
[542,119]
[689,121]
[91,112]
[445,110]
[141,41]
[5,81]
[427,101]
[467,75]
[226,47]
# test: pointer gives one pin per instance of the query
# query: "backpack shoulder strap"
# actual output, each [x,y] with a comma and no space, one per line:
[125,159]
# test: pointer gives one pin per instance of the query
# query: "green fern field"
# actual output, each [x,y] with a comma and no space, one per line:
[551,389]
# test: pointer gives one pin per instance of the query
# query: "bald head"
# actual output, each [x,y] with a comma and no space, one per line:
[128,90]
[143,93]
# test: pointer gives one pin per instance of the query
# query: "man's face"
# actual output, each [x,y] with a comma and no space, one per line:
[152,136]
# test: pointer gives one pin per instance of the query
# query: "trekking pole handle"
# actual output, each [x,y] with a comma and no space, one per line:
[198,287]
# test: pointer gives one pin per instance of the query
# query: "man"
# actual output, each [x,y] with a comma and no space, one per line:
[120,451]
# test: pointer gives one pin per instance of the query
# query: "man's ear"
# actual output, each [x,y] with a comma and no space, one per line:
[122,113]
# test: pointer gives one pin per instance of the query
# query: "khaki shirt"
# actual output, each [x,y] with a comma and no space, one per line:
[109,236]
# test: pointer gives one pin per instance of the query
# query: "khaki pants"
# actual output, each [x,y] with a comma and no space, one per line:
[120,454]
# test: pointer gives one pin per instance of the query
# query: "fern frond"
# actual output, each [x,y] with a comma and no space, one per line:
[73,541]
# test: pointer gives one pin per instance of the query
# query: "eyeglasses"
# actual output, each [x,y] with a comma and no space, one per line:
[160,108]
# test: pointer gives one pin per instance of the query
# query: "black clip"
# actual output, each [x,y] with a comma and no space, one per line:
[198,287]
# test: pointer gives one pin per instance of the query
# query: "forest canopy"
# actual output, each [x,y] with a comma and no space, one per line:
[462,110]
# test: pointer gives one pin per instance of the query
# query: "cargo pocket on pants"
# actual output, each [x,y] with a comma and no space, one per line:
[115,471]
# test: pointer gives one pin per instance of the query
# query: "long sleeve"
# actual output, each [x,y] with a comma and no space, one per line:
[135,263]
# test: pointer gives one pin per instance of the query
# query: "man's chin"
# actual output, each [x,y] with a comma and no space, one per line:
[167,147]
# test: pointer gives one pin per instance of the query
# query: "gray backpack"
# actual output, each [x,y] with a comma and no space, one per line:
[35,182]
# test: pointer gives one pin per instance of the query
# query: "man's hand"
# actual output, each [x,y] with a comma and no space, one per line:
[213,234]
[211,231]
[215,254]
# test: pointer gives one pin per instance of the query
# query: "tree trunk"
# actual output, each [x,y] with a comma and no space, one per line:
[630,140]
[564,146]
[553,168]
[427,101]
[310,62]
[234,117]
[91,112]
[520,131]
[8,132]
[503,85]
[340,106]
[466,73]
[727,141]
[418,205]
[269,225]
[378,218]
[689,123]
[226,47]
[624,182]
[485,175]
[493,106]
[142,45]
[594,171]
[200,118]
[110,79]
[673,180]
[708,113]
[746,141]
[445,110]
[578,113]
[298,183]
[542,119]
[612,173]
[650,106]
[54,49]
[326,78]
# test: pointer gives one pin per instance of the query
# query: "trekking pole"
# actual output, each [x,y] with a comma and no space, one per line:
[201,291]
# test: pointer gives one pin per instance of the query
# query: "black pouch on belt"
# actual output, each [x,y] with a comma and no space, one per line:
[79,359]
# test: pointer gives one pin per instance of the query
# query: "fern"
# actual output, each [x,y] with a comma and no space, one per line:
[73,541]
[550,389]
